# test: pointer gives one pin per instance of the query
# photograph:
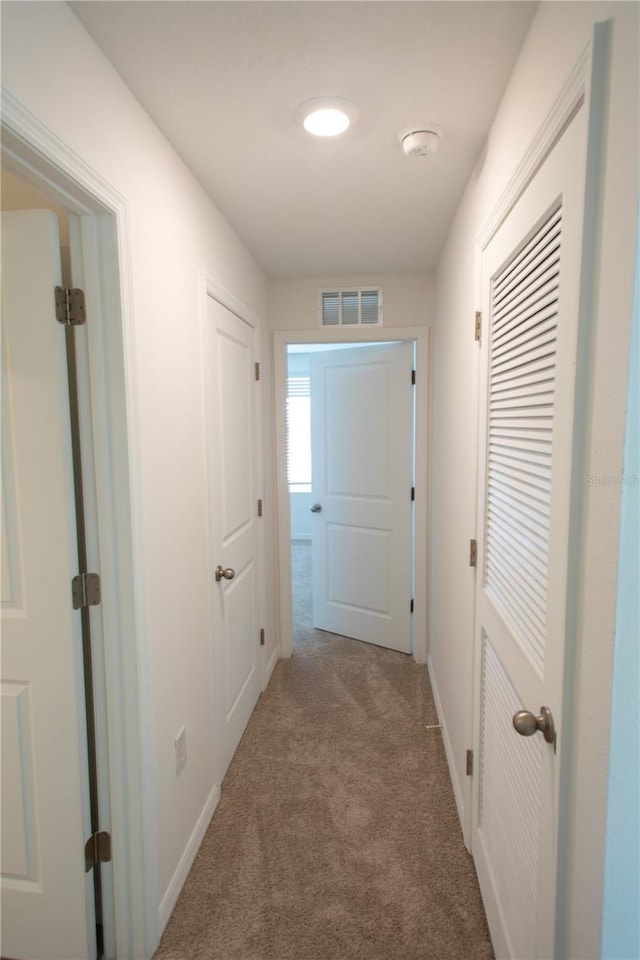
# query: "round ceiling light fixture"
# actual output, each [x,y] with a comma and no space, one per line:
[420,139]
[326,116]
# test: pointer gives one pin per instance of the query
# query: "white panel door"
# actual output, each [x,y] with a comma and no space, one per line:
[47,901]
[362,465]
[231,417]
[531,277]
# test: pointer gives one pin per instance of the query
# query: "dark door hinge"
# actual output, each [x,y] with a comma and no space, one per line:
[411,607]
[478,325]
[473,553]
[70,309]
[259,508]
[413,378]
[85,590]
[469,763]
[257,371]
[413,493]
[97,849]
[262,636]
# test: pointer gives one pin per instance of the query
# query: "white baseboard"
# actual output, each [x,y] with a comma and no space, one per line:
[271,665]
[178,879]
[448,749]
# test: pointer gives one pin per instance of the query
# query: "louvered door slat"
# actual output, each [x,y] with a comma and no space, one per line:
[525,551]
[522,613]
[544,240]
[525,492]
[538,294]
[544,366]
[502,461]
[520,433]
[538,323]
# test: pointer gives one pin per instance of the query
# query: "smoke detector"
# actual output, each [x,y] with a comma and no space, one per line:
[420,139]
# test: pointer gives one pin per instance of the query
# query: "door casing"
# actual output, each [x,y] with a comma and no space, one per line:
[419,336]
[31,151]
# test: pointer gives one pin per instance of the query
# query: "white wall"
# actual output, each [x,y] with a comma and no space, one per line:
[408,300]
[176,235]
[558,35]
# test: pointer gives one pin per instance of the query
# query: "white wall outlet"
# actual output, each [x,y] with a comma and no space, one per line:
[181,751]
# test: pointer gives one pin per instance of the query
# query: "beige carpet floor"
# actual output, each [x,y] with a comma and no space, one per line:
[336,837]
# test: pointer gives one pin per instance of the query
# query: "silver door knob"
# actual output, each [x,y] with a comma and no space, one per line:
[224,573]
[526,723]
[316,508]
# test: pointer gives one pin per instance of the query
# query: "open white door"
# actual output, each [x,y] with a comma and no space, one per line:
[235,581]
[531,279]
[362,464]
[47,900]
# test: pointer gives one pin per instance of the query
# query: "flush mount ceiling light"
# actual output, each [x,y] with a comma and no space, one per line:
[420,139]
[326,116]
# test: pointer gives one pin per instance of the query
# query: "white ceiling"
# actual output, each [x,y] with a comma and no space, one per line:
[222,81]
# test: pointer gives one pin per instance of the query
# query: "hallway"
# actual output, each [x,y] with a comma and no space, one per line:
[337,836]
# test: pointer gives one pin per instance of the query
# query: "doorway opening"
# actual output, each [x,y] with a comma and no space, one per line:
[337,562]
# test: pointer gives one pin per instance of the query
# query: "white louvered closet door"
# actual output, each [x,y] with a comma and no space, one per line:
[531,272]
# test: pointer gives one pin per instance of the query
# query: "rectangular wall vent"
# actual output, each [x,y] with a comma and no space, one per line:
[350,307]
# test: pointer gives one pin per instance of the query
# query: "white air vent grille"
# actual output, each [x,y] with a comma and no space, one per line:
[524,319]
[350,307]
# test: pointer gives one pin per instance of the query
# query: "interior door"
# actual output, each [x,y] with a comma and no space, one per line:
[362,466]
[235,578]
[531,278]
[47,900]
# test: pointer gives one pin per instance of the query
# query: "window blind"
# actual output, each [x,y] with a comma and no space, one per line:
[298,426]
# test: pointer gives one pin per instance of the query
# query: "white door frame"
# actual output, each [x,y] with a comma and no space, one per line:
[419,336]
[38,156]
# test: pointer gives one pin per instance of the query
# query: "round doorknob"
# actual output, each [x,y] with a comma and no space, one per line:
[316,508]
[526,724]
[224,573]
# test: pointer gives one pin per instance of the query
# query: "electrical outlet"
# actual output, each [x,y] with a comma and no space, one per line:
[181,751]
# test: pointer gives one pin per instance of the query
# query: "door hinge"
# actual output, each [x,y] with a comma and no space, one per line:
[478,326]
[97,849]
[70,306]
[262,636]
[257,371]
[259,508]
[85,590]
[413,378]
[473,553]
[413,493]
[411,605]
[469,763]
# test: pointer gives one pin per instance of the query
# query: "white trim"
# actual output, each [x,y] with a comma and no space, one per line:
[448,749]
[181,872]
[271,664]
[281,339]
[220,293]
[32,149]
[567,103]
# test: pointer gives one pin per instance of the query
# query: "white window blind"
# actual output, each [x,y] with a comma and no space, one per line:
[298,418]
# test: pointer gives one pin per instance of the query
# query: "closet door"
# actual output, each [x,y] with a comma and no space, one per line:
[531,279]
